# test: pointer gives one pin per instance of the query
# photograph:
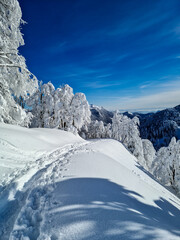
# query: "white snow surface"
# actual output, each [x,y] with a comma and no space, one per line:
[56,186]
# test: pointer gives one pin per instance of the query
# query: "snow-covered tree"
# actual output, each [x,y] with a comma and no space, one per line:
[10,111]
[166,166]
[149,154]
[108,131]
[126,131]
[16,82]
[62,112]
[59,108]
[42,105]
[80,111]
[116,127]
[71,111]
[96,129]
[99,129]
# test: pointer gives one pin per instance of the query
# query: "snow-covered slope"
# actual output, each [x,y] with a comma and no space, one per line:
[80,191]
[20,147]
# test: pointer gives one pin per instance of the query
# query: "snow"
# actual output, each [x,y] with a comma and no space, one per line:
[71,189]
[36,139]
[21,147]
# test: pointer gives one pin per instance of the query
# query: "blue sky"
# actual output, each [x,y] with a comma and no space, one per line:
[123,54]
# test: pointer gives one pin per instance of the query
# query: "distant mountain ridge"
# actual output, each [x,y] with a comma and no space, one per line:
[100,114]
[158,127]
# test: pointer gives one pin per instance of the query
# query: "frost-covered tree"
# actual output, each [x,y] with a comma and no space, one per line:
[80,111]
[71,111]
[149,154]
[63,99]
[116,127]
[59,108]
[42,105]
[160,127]
[50,107]
[48,104]
[96,129]
[10,111]
[108,131]
[16,82]
[166,166]
[126,131]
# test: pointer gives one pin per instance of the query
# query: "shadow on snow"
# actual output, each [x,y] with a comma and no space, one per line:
[110,211]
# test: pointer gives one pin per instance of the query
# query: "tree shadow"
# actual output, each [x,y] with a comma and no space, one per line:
[94,208]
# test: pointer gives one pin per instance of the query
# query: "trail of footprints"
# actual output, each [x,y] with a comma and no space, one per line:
[27,225]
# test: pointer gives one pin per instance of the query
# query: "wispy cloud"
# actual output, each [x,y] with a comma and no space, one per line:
[160,100]
[167,83]
[161,13]
[100,84]
[167,95]
[104,75]
[145,85]
[159,61]
[147,103]
[174,83]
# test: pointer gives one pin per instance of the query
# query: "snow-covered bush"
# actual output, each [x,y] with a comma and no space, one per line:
[16,82]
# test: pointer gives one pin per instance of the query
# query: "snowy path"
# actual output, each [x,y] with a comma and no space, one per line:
[27,195]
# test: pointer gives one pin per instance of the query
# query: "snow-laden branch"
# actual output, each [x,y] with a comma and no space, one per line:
[15,84]
[12,65]
[18,66]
